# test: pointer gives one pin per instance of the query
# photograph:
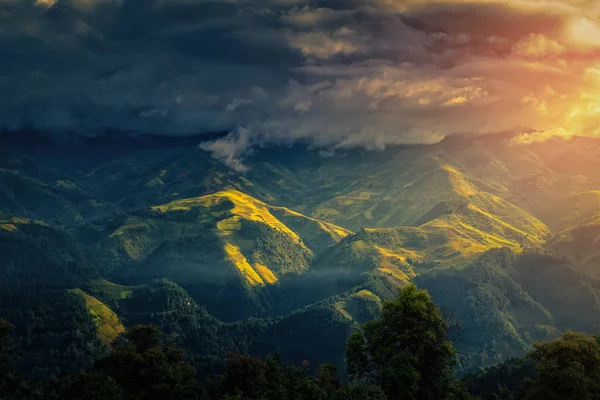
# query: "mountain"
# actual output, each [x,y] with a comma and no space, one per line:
[54,330]
[579,243]
[225,248]
[507,301]
[61,201]
[301,249]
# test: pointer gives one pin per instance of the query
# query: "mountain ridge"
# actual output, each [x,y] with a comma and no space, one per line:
[316,243]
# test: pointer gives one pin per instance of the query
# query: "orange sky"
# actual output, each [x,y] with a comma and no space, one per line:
[552,73]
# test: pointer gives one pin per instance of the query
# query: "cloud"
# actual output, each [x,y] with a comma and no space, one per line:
[325,45]
[231,149]
[541,137]
[335,74]
[537,46]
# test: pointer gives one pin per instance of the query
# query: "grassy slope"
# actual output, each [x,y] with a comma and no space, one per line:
[386,192]
[461,200]
[216,245]
[461,205]
[452,237]
[452,233]
[419,194]
[395,195]
[399,186]
[577,208]
[241,206]
[550,180]
[228,211]
[394,188]
[108,323]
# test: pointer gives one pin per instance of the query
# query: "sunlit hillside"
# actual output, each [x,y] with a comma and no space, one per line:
[107,322]
[244,225]
[216,245]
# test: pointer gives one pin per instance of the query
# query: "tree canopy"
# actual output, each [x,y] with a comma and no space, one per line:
[406,351]
[404,355]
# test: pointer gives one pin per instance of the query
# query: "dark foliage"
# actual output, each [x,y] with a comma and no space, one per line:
[144,367]
[53,329]
[406,351]
[562,369]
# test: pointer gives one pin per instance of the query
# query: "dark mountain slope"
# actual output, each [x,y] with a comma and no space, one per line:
[506,302]
[53,329]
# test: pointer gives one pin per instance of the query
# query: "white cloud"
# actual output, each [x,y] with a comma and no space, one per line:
[231,149]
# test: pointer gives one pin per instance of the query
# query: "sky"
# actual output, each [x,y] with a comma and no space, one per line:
[335,74]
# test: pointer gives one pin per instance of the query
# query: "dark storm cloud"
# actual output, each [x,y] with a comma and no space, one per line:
[144,65]
[337,73]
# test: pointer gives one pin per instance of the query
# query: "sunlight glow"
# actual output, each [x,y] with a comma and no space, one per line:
[584,115]
[585,32]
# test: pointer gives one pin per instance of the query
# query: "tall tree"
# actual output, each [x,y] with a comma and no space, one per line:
[406,351]
[567,369]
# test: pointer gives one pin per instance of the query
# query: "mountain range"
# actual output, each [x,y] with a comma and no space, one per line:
[295,253]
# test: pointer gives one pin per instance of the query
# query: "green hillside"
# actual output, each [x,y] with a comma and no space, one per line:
[506,302]
[107,322]
[225,248]
[234,218]
[438,195]
[158,176]
[54,330]
[453,234]
[552,180]
[577,208]
[108,292]
[294,336]
[61,201]
[361,307]
[395,195]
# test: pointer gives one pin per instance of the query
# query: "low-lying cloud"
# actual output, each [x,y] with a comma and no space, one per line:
[336,74]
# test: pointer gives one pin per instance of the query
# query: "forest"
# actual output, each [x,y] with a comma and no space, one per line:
[405,354]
